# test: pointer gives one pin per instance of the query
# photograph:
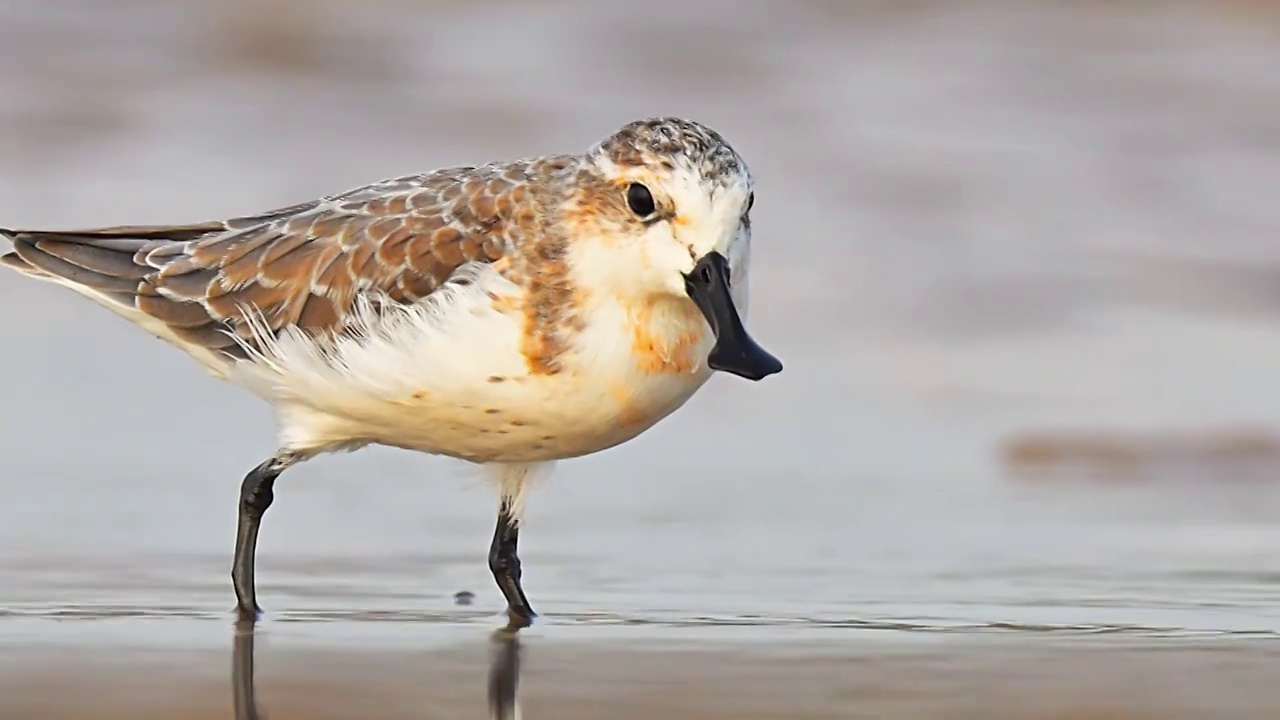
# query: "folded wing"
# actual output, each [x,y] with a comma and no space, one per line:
[302,266]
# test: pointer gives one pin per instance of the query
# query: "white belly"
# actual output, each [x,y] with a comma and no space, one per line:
[450,380]
[522,419]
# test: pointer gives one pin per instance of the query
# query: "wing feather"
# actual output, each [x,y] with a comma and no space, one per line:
[302,266]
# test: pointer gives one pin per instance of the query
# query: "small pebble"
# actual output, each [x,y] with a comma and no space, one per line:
[463,597]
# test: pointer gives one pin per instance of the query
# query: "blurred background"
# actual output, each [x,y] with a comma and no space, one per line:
[1021,260]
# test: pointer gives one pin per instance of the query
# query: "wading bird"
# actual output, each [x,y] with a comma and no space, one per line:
[510,315]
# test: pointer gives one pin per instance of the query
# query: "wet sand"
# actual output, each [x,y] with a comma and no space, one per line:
[287,673]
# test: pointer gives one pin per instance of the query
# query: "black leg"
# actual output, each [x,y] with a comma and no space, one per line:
[505,564]
[255,497]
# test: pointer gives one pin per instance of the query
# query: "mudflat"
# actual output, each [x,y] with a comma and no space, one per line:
[345,672]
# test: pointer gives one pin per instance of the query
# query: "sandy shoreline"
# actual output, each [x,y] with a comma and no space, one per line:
[284,674]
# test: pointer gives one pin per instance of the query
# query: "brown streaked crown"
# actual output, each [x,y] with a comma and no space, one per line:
[662,140]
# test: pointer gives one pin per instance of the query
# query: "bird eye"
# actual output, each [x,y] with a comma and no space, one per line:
[640,200]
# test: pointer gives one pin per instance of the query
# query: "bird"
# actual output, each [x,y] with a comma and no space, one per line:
[508,315]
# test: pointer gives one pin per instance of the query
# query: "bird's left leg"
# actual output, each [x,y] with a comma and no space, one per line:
[504,559]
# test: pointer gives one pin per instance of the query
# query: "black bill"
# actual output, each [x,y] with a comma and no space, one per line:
[734,352]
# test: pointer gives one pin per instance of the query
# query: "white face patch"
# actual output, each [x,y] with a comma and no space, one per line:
[700,191]
[709,213]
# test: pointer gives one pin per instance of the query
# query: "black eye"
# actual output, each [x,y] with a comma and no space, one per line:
[640,200]
[751,202]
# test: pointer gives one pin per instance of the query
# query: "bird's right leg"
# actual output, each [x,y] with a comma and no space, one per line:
[256,494]
[504,562]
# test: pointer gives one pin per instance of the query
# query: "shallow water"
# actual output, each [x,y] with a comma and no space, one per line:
[277,676]
[973,219]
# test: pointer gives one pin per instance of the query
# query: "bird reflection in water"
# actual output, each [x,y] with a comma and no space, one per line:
[504,675]
[246,703]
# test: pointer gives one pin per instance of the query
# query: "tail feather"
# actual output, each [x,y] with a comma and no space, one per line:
[11,260]
[78,264]
[111,266]
[128,233]
[108,260]
[97,258]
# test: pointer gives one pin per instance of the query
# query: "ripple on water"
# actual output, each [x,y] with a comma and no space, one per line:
[661,623]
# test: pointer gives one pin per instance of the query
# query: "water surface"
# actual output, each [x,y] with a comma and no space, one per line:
[973,219]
